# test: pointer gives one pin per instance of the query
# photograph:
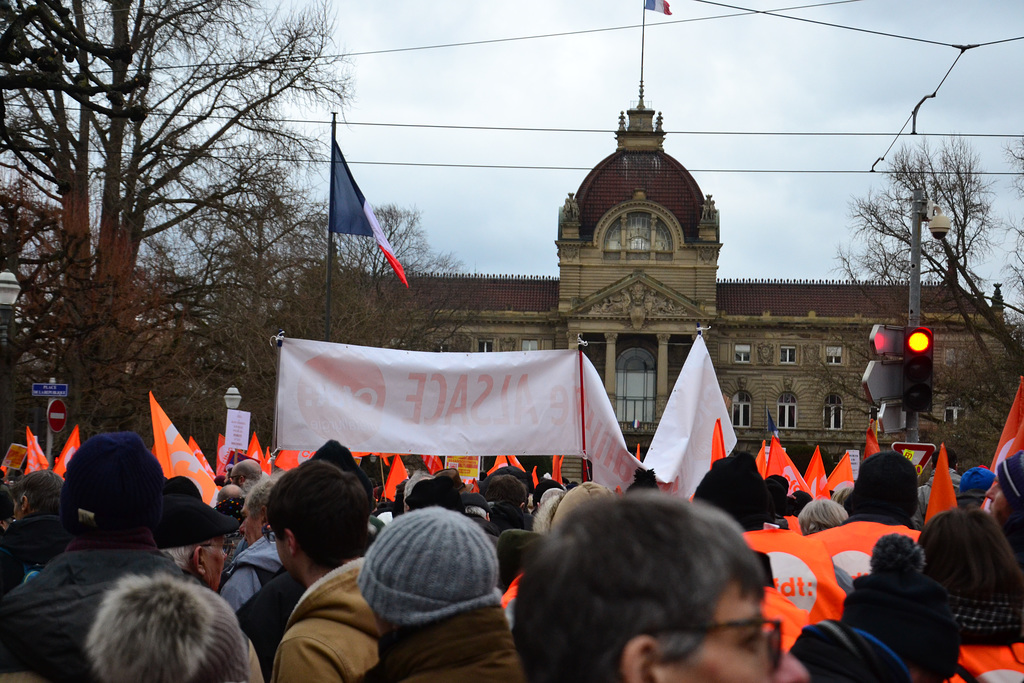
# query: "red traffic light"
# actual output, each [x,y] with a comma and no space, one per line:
[919,340]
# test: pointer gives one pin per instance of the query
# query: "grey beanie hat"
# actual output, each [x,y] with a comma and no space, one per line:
[429,565]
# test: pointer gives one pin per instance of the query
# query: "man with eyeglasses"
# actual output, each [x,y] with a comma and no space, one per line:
[647,587]
[245,475]
[192,534]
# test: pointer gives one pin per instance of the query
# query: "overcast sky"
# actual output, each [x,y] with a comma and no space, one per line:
[708,72]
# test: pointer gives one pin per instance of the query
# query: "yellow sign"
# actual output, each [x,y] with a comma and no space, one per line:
[15,457]
[467,465]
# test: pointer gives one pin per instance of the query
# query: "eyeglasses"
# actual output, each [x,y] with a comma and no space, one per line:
[235,478]
[770,632]
[268,533]
[222,548]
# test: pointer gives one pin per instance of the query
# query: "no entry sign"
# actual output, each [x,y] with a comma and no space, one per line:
[57,415]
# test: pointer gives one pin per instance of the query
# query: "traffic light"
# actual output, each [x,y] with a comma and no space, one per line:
[918,345]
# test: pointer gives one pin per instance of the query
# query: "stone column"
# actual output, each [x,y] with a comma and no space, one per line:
[662,374]
[609,364]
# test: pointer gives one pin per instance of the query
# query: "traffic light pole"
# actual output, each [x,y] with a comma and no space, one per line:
[914,310]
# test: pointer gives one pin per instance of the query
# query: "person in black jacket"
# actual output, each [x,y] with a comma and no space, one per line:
[36,535]
[111,502]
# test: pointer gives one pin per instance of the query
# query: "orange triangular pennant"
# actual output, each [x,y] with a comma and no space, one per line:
[36,459]
[942,497]
[169,447]
[842,475]
[500,461]
[556,468]
[780,463]
[815,477]
[1011,430]
[70,446]
[717,442]
[395,477]
[871,441]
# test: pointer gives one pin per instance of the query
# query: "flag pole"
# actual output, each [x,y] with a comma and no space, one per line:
[330,234]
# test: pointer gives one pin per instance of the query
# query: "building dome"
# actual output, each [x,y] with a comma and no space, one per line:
[663,179]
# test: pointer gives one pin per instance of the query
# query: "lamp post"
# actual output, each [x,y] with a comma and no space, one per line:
[9,290]
[232,398]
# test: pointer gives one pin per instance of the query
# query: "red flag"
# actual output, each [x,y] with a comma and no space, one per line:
[198,452]
[779,463]
[815,477]
[942,497]
[433,463]
[1012,438]
[169,447]
[36,459]
[395,477]
[762,465]
[556,468]
[70,446]
[717,442]
[871,443]
[535,479]
[842,475]
[500,461]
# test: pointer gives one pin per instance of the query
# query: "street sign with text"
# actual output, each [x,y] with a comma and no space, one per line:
[50,390]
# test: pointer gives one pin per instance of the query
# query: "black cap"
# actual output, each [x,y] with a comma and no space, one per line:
[187,520]
[734,485]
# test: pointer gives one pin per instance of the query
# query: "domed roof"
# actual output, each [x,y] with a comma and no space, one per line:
[664,179]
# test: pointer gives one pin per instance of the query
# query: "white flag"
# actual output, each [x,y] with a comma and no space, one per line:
[680,452]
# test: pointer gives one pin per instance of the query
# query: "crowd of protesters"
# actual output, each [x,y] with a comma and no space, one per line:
[115,573]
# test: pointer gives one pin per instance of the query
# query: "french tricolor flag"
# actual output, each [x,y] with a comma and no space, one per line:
[351,214]
[657,6]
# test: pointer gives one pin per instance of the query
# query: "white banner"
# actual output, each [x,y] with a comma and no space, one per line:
[392,401]
[236,431]
[680,452]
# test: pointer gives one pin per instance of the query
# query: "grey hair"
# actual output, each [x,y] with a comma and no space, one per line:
[417,477]
[182,555]
[821,514]
[622,567]
[842,494]
[259,495]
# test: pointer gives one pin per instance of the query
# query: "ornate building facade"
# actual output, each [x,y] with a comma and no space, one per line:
[638,248]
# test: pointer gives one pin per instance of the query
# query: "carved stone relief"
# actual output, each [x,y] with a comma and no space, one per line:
[639,303]
[764,353]
[569,252]
[508,344]
[707,254]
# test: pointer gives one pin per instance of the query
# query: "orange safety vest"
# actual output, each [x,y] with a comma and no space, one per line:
[850,545]
[776,606]
[992,663]
[803,571]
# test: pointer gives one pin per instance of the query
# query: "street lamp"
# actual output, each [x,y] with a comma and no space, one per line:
[232,398]
[9,290]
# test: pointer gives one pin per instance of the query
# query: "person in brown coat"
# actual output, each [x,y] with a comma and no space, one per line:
[431,579]
[319,518]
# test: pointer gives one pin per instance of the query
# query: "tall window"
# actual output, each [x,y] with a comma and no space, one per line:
[485,345]
[741,402]
[833,412]
[635,386]
[741,353]
[786,411]
[953,410]
[834,355]
[635,235]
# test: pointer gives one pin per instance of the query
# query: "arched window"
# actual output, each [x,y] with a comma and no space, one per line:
[635,386]
[786,418]
[741,409]
[833,412]
[635,235]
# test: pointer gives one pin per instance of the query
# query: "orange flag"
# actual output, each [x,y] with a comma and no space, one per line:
[287,460]
[198,452]
[500,461]
[556,468]
[395,477]
[942,497]
[780,463]
[36,459]
[70,446]
[1012,438]
[871,444]
[223,455]
[717,442]
[514,461]
[255,452]
[433,463]
[535,479]
[842,475]
[762,466]
[174,455]
[815,477]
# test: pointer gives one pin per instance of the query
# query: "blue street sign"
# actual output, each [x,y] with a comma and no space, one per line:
[50,390]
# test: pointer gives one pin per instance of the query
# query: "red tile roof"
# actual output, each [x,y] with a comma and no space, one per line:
[496,292]
[664,179]
[825,298]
